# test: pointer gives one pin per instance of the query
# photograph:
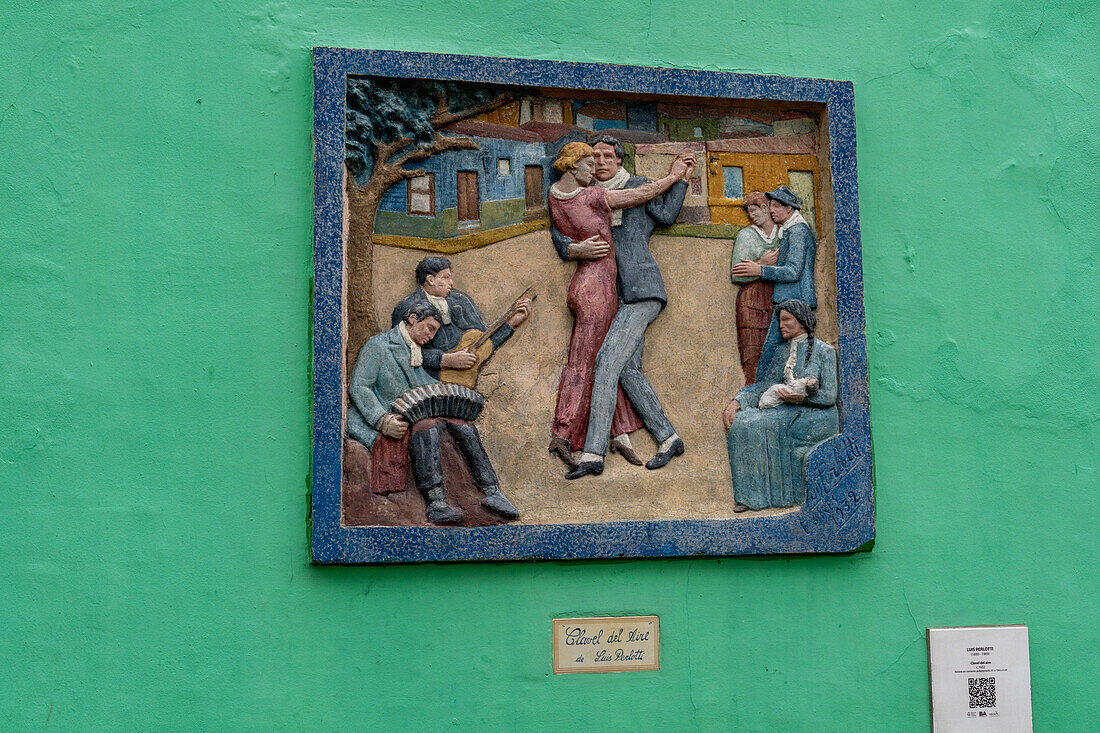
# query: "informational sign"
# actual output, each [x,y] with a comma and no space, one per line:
[606,644]
[980,678]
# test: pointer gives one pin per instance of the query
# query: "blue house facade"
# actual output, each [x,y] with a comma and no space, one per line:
[467,192]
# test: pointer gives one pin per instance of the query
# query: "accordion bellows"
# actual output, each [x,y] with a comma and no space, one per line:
[439,400]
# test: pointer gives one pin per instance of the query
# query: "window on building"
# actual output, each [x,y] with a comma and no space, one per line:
[504,166]
[697,132]
[731,175]
[733,182]
[802,183]
[553,111]
[421,195]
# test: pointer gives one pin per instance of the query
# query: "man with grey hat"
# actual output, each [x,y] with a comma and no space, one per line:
[793,271]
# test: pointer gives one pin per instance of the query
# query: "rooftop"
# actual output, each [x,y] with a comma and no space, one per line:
[489,129]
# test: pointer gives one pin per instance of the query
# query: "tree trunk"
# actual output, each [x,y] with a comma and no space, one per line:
[362,206]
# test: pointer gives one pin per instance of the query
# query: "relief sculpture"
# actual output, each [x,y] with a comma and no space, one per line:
[615,293]
[601,267]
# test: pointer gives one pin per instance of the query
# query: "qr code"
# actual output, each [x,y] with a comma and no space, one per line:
[983,692]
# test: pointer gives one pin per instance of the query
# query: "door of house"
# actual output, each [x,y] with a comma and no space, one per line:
[731,175]
[469,210]
[532,181]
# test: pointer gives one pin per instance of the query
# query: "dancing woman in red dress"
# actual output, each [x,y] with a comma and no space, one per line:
[583,213]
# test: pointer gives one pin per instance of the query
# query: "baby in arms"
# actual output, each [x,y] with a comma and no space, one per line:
[805,387]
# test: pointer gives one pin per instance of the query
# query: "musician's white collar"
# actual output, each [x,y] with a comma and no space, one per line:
[416,356]
[795,218]
[443,306]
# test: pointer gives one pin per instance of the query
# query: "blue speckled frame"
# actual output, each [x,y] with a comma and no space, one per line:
[838,515]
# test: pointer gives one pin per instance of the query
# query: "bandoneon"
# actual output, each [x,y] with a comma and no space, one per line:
[439,400]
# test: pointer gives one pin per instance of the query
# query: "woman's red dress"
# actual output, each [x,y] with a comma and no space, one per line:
[594,300]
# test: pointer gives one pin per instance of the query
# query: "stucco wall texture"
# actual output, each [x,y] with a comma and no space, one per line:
[154,346]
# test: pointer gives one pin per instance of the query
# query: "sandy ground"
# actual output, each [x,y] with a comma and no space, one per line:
[690,358]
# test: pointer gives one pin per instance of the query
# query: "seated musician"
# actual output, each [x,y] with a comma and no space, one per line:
[388,366]
[459,315]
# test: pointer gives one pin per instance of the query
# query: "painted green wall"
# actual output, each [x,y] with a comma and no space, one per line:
[155,210]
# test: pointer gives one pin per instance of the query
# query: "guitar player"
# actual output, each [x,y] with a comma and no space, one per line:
[436,281]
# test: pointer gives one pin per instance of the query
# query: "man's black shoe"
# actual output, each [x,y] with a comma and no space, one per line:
[584,468]
[662,458]
[440,512]
[497,502]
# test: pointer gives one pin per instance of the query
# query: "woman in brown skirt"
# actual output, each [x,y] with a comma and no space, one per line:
[757,242]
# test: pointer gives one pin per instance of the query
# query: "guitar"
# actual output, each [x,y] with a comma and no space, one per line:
[478,343]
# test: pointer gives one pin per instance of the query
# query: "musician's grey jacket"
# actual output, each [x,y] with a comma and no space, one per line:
[383,372]
[639,277]
[464,317]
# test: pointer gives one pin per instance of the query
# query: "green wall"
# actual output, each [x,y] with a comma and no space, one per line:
[155,209]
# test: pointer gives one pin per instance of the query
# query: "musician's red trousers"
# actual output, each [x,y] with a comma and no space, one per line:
[389,465]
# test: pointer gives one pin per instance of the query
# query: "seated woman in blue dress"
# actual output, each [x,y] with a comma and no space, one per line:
[768,445]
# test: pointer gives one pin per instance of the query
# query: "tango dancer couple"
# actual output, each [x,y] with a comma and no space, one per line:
[603,219]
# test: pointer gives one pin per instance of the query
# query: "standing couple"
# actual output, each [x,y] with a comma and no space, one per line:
[603,218]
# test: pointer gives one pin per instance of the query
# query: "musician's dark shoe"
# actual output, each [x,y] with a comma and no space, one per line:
[440,512]
[497,502]
[584,468]
[739,507]
[560,447]
[627,452]
[661,459]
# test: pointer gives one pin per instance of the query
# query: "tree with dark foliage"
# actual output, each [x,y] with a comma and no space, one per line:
[392,124]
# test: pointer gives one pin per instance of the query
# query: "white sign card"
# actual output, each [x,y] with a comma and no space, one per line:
[980,678]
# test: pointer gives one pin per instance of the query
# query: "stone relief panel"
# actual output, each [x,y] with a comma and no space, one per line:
[616,313]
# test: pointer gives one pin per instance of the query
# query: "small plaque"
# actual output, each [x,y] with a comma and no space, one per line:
[606,644]
[980,678]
